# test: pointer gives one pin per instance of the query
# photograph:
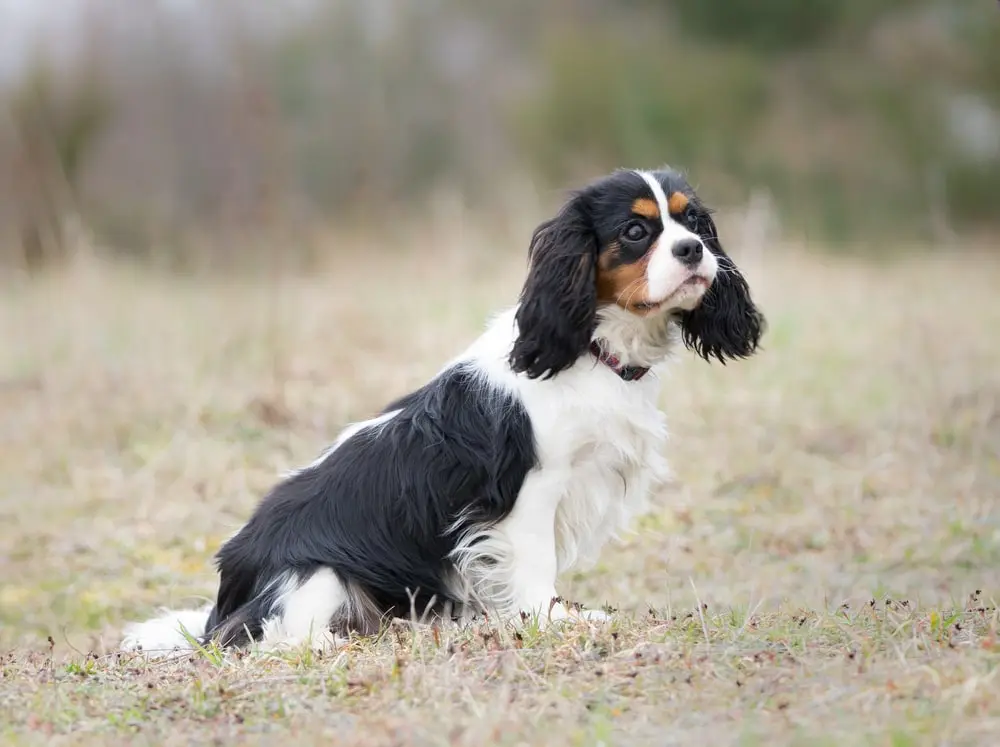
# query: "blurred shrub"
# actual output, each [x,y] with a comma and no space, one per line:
[972,178]
[772,26]
[57,124]
[371,119]
[610,99]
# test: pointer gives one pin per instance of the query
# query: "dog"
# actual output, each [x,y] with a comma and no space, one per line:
[519,460]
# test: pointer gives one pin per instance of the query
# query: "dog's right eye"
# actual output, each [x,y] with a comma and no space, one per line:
[635,231]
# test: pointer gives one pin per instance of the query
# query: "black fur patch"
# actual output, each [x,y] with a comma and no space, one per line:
[376,510]
[558,310]
[727,323]
[557,314]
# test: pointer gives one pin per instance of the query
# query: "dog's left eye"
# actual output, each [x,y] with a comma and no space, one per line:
[691,217]
[635,232]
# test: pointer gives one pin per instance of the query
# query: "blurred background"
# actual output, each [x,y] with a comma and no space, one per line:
[157,128]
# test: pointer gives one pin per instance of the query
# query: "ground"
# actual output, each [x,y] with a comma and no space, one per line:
[824,570]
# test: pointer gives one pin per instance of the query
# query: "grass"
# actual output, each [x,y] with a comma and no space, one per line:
[824,571]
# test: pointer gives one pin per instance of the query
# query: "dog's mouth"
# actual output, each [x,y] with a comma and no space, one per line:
[647,306]
[695,281]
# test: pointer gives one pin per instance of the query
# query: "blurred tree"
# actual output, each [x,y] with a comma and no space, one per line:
[56,128]
[771,26]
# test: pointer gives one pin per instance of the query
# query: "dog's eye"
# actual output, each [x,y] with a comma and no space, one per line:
[691,217]
[635,231]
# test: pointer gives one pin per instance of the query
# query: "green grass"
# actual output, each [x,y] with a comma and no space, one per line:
[825,569]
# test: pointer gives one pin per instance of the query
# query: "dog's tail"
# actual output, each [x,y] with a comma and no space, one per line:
[172,633]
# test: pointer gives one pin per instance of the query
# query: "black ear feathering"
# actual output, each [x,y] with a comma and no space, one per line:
[727,324]
[558,304]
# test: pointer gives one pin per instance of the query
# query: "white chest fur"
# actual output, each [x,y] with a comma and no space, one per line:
[602,440]
[599,441]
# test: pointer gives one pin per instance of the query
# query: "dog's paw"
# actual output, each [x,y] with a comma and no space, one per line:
[595,616]
[574,613]
[322,643]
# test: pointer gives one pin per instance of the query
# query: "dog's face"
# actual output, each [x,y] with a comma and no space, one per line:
[650,256]
[644,242]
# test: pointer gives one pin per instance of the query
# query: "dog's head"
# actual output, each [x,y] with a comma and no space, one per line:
[642,241]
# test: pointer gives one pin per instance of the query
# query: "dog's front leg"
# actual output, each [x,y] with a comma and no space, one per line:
[530,534]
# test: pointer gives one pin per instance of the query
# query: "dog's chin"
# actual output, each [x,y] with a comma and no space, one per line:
[685,297]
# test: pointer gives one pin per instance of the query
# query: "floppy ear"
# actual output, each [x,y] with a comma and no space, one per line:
[558,304]
[727,324]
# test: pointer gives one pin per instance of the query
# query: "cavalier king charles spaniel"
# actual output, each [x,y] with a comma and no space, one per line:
[515,463]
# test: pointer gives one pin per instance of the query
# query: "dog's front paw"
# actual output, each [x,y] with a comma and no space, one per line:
[569,613]
[595,616]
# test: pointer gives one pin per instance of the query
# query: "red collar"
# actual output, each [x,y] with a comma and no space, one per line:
[626,373]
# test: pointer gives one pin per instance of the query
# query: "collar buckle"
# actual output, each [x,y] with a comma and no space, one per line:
[625,373]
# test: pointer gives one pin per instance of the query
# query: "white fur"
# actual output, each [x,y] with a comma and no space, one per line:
[307,609]
[163,636]
[304,611]
[665,276]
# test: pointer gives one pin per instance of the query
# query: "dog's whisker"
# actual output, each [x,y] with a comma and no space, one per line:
[637,283]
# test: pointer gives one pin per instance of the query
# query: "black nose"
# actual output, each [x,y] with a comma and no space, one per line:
[688,251]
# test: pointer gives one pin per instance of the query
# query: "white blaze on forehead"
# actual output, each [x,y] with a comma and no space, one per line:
[658,194]
[664,273]
[672,230]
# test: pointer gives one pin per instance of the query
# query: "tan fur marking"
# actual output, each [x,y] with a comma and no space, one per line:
[624,285]
[677,203]
[646,208]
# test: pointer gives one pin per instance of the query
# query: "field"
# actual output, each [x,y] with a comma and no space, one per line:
[825,570]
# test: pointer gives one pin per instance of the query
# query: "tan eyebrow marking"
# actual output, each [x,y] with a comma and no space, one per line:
[646,208]
[677,203]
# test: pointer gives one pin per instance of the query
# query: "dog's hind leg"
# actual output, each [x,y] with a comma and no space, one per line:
[303,612]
